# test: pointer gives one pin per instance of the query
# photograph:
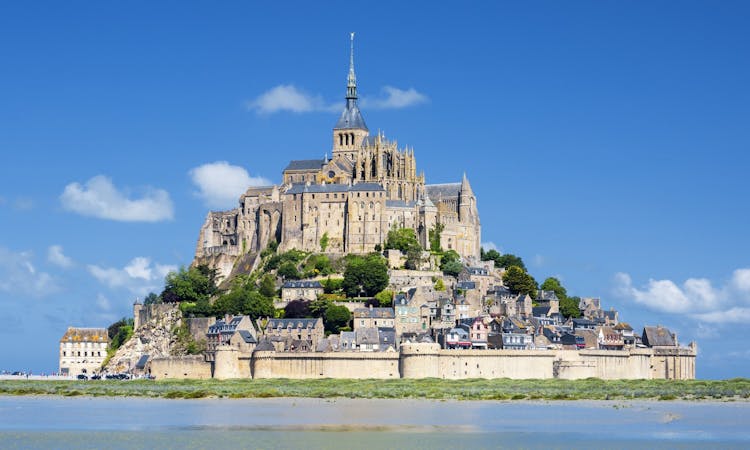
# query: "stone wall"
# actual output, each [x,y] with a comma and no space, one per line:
[325,365]
[430,361]
[198,326]
[180,367]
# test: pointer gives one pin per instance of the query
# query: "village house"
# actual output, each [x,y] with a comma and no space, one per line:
[83,350]
[301,290]
[222,331]
[373,318]
[609,339]
[294,335]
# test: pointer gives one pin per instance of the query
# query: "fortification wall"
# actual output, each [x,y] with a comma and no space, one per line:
[673,363]
[198,326]
[495,364]
[325,365]
[230,363]
[180,367]
[604,364]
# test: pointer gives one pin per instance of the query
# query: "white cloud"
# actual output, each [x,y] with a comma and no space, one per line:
[139,276]
[56,256]
[696,298]
[103,303]
[19,276]
[395,98]
[221,184]
[101,199]
[487,246]
[287,97]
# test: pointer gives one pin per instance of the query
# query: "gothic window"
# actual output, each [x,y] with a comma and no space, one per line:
[341,139]
[372,205]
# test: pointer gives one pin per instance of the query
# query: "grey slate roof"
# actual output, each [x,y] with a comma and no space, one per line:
[351,118]
[141,364]
[294,323]
[378,313]
[247,337]
[265,345]
[658,337]
[367,336]
[302,284]
[466,285]
[305,164]
[399,204]
[447,190]
[300,188]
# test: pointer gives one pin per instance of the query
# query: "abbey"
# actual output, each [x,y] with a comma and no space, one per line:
[346,203]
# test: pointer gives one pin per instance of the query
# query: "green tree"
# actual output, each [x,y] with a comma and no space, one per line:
[365,276]
[401,239]
[268,286]
[439,285]
[192,285]
[413,258]
[152,299]
[332,285]
[507,260]
[324,242]
[569,307]
[448,257]
[257,305]
[385,297]
[519,282]
[288,271]
[452,268]
[297,309]
[553,284]
[336,317]
[434,235]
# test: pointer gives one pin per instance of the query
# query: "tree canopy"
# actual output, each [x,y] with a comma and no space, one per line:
[519,281]
[196,284]
[402,239]
[568,305]
[503,261]
[365,275]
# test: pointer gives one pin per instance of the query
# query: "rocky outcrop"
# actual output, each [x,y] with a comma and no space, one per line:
[154,336]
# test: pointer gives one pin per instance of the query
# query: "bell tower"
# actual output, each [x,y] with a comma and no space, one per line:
[350,129]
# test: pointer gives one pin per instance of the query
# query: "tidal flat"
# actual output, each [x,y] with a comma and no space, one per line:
[737,389]
[86,422]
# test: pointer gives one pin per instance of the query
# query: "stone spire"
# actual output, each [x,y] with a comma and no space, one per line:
[351,82]
[465,187]
[351,118]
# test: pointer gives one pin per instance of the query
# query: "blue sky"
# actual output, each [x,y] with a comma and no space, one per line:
[606,141]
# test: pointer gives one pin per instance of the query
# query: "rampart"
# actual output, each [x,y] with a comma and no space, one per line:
[180,367]
[430,361]
[325,365]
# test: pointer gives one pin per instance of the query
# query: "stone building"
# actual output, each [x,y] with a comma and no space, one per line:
[294,335]
[83,350]
[373,318]
[367,186]
[301,290]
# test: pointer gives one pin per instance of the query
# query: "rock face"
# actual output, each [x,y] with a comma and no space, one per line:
[153,336]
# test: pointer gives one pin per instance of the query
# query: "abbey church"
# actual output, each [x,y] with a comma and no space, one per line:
[353,198]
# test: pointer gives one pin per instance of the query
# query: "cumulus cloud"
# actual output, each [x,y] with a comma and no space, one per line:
[220,184]
[696,297]
[101,199]
[487,246]
[56,256]
[395,98]
[287,97]
[19,276]
[103,303]
[139,276]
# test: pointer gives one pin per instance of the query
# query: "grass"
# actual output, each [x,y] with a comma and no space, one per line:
[431,388]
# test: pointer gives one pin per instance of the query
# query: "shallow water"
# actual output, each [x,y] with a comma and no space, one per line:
[55,422]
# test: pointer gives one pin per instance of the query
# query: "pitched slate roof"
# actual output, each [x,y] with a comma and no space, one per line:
[265,345]
[247,337]
[302,284]
[302,188]
[375,313]
[399,204]
[305,164]
[141,364]
[658,337]
[446,190]
[293,323]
